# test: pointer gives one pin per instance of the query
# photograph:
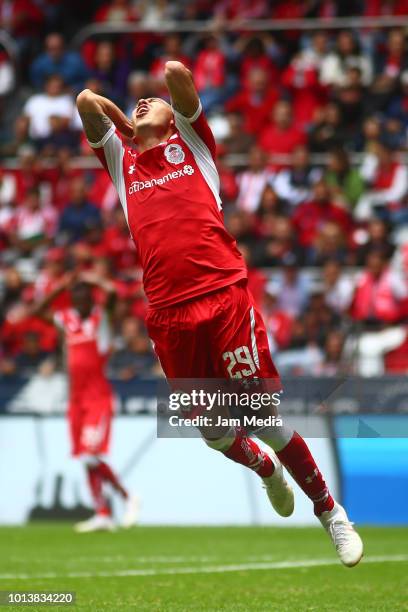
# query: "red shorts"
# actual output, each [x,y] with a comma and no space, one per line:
[89,418]
[219,335]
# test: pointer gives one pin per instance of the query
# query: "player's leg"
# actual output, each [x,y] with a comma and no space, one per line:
[243,327]
[99,419]
[181,341]
[101,520]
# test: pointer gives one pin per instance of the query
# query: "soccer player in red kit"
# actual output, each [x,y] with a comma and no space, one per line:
[201,316]
[85,328]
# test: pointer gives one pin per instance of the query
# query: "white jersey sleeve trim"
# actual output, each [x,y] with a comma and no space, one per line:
[189,119]
[114,154]
[101,143]
[199,149]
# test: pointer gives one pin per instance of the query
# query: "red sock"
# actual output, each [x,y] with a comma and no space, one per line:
[95,484]
[247,452]
[108,475]
[297,459]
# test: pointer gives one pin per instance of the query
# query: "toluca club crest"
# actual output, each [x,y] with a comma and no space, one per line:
[174,154]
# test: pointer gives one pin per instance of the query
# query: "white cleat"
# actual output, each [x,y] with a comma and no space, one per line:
[345,538]
[98,522]
[279,492]
[131,513]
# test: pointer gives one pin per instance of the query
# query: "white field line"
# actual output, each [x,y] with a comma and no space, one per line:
[215,569]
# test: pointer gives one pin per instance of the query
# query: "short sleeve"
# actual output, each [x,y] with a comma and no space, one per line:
[110,151]
[196,128]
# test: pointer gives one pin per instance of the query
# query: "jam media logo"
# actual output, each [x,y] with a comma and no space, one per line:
[136,186]
[174,153]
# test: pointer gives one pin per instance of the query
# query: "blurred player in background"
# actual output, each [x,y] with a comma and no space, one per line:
[201,315]
[86,331]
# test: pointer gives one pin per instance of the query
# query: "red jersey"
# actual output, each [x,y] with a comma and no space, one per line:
[170,196]
[87,345]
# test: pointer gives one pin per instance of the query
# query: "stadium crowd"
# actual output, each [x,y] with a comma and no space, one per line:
[312,136]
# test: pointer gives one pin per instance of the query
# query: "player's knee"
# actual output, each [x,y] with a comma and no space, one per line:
[221,444]
[90,461]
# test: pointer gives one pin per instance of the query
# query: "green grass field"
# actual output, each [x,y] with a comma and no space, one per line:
[205,569]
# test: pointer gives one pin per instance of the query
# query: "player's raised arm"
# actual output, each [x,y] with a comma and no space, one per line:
[180,84]
[41,308]
[98,114]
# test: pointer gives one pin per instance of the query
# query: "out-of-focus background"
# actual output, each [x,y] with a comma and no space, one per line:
[308,102]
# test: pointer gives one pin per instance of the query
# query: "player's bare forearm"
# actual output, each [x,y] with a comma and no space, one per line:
[98,114]
[180,84]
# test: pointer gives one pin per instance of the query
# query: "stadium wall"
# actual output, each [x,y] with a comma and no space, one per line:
[179,481]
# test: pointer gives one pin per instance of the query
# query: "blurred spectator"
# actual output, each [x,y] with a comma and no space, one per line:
[388,182]
[7,187]
[333,362]
[352,100]
[381,293]
[278,244]
[172,50]
[310,216]
[398,106]
[330,243]
[34,224]
[370,134]
[19,138]
[259,51]
[338,286]
[243,9]
[79,213]
[22,19]
[314,52]
[295,183]
[118,243]
[283,136]
[228,179]
[59,179]
[301,79]
[135,359]
[392,59]
[241,225]
[110,71]
[154,13]
[116,11]
[57,60]
[7,76]
[347,55]
[325,132]
[61,137]
[252,181]
[255,100]
[209,73]
[53,102]
[376,239]
[238,141]
[279,323]
[293,287]
[256,278]
[345,182]
[385,7]
[31,356]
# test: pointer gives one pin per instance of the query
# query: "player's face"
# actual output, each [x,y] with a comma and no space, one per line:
[152,113]
[82,299]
